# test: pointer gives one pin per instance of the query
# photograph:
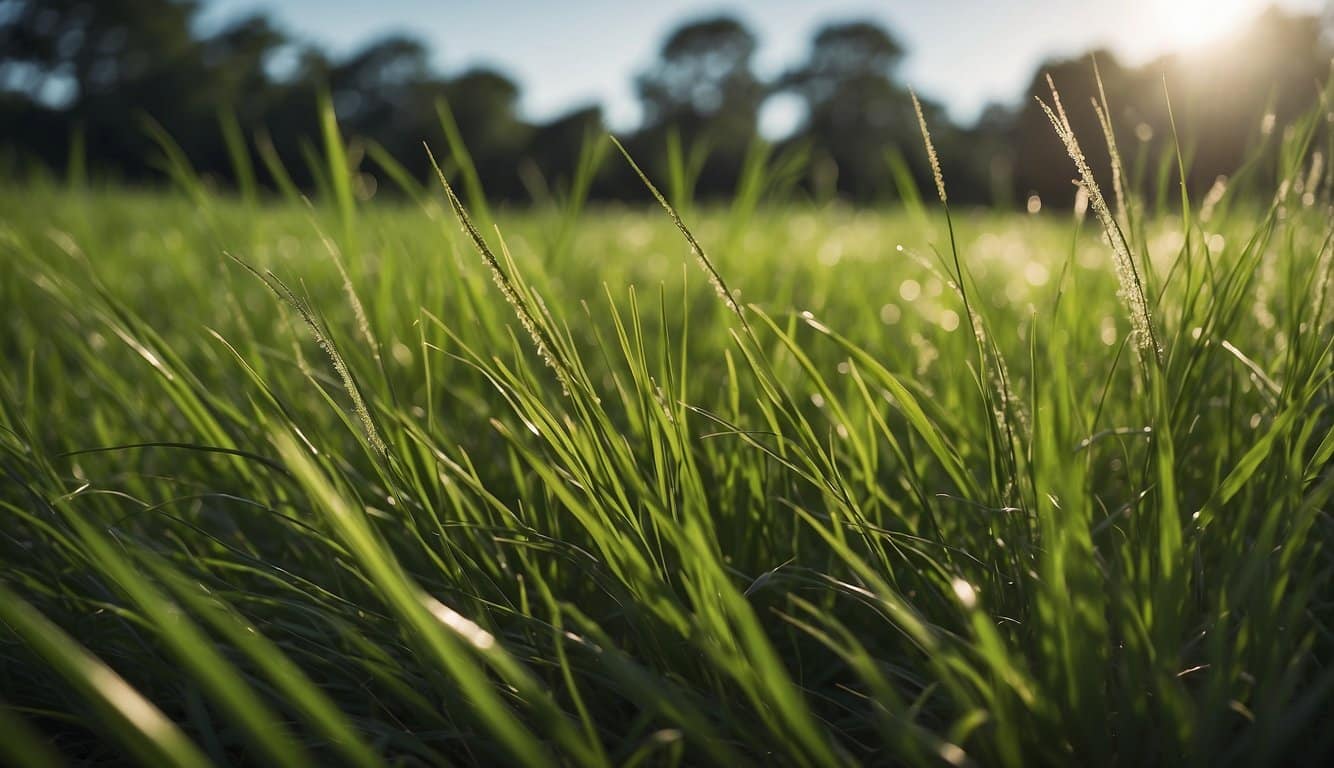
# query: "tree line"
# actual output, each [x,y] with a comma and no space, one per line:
[99,84]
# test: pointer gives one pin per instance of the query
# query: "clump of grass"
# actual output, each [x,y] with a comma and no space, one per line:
[826,527]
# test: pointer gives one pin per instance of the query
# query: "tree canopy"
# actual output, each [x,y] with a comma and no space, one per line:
[98,74]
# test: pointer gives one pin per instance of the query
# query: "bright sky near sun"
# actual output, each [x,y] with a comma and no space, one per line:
[964,53]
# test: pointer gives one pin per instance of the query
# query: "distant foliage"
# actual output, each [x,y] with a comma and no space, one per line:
[80,80]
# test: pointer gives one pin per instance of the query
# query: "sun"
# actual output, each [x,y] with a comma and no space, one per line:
[1193,23]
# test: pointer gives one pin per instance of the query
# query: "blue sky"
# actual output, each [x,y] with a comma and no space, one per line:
[963,53]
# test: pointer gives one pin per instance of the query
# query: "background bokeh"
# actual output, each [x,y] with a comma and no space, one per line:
[84,85]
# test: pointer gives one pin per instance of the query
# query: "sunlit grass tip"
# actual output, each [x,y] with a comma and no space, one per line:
[1131,288]
[930,148]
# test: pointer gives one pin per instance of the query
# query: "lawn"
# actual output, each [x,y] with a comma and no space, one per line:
[352,484]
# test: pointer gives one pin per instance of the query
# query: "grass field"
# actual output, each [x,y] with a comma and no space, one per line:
[342,485]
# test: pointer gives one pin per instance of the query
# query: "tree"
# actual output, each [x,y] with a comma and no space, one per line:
[703,81]
[703,89]
[100,47]
[484,105]
[843,56]
[104,56]
[1219,95]
[386,91]
[855,110]
[555,147]
[99,67]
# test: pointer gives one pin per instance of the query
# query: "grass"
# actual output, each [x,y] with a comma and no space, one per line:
[350,484]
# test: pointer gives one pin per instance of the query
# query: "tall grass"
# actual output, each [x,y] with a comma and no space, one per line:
[369,484]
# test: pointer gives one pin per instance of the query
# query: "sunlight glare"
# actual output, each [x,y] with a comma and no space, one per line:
[1192,23]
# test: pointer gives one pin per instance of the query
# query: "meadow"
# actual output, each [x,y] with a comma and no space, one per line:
[768,483]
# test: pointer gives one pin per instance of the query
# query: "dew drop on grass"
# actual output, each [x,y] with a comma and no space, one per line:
[910,289]
[463,626]
[802,227]
[636,236]
[1081,202]
[952,754]
[1107,332]
[965,592]
[402,355]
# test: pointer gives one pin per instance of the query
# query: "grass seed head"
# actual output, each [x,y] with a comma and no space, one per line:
[930,148]
[1131,289]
